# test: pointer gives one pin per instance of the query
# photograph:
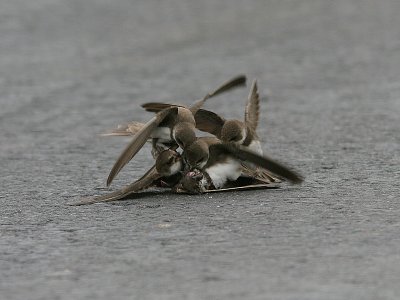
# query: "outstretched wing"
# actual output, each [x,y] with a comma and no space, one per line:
[252,112]
[138,141]
[262,161]
[209,121]
[142,183]
[158,106]
[237,81]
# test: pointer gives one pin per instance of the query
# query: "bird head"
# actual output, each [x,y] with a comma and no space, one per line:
[197,154]
[169,162]
[233,131]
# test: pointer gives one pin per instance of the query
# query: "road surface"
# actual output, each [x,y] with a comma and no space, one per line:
[328,73]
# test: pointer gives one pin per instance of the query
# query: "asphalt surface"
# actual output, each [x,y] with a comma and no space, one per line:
[329,75]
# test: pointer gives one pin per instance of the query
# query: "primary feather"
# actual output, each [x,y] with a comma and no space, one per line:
[252,111]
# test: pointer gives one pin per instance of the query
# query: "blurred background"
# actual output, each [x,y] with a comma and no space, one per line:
[328,74]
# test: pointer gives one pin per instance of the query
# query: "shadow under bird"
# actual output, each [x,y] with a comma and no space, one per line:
[172,125]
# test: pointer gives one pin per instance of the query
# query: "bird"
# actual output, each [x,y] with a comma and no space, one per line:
[242,133]
[173,125]
[192,182]
[220,162]
[165,172]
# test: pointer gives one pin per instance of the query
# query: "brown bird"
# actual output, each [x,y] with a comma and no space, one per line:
[241,133]
[168,164]
[222,162]
[193,183]
[171,125]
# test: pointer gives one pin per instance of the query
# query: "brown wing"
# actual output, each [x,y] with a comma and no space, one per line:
[158,106]
[209,121]
[138,141]
[142,183]
[261,161]
[125,129]
[237,81]
[259,174]
[252,111]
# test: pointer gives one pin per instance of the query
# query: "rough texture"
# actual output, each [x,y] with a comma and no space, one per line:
[71,69]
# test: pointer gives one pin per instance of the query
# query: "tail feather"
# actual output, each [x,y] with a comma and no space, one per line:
[260,174]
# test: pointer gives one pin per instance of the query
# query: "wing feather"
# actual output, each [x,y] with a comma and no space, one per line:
[259,174]
[142,183]
[137,142]
[158,106]
[209,121]
[237,81]
[252,112]
[261,161]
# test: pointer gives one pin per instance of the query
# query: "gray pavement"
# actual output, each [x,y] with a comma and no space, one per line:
[71,69]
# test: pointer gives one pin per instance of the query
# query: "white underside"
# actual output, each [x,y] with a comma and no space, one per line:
[240,142]
[163,136]
[255,146]
[222,172]
[176,167]
[163,133]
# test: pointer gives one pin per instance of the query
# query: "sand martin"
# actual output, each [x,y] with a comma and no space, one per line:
[241,133]
[174,124]
[222,162]
[193,183]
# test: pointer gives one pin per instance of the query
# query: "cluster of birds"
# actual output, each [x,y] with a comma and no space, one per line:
[187,163]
